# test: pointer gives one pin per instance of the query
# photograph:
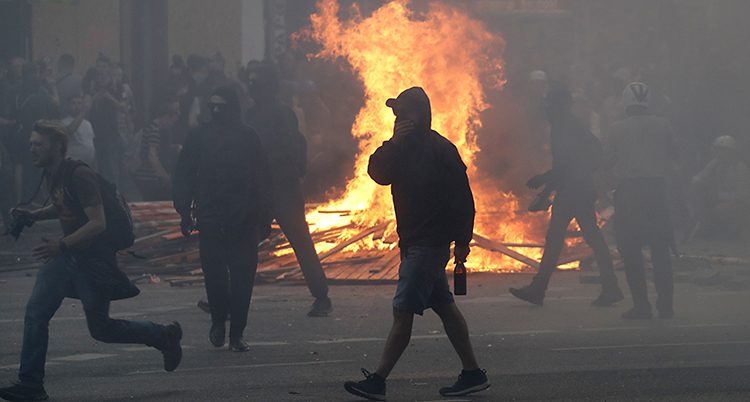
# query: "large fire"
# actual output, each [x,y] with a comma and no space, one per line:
[453,57]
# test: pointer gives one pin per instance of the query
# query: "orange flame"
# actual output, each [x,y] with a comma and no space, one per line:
[450,55]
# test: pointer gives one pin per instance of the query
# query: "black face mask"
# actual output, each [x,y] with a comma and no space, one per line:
[220,114]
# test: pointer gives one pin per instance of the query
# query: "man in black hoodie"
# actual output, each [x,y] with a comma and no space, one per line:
[576,155]
[286,148]
[223,172]
[434,208]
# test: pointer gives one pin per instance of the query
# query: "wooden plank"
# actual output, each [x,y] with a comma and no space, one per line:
[492,245]
[351,241]
[389,266]
[380,264]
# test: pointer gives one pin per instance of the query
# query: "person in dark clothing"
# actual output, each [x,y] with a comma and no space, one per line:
[82,264]
[642,154]
[31,104]
[109,145]
[576,155]
[223,171]
[434,208]
[287,156]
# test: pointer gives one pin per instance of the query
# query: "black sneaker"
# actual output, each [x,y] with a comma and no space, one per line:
[638,313]
[372,387]
[238,345]
[321,307]
[529,294]
[18,392]
[172,351]
[608,298]
[468,382]
[217,335]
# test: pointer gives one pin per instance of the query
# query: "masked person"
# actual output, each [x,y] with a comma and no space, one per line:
[287,157]
[434,208]
[82,264]
[576,155]
[642,153]
[223,171]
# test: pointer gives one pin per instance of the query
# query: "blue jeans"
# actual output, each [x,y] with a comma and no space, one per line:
[422,282]
[56,279]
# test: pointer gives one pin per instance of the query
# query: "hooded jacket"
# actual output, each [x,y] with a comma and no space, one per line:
[431,193]
[278,129]
[223,170]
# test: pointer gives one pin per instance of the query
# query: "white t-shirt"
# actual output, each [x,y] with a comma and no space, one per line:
[81,143]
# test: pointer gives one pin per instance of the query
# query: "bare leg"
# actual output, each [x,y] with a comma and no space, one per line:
[458,333]
[398,340]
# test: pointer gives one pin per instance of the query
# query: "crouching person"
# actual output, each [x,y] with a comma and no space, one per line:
[82,264]
[434,207]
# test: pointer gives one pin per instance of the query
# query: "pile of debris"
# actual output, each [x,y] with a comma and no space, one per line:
[161,250]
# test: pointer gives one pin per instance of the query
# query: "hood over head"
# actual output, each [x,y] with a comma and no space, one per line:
[262,80]
[415,104]
[229,113]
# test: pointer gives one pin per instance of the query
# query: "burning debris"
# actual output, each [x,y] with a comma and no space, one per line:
[455,58]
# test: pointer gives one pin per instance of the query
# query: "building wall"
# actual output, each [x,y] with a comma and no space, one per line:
[205,27]
[82,28]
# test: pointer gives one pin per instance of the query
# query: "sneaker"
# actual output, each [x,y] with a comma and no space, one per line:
[529,294]
[172,351]
[468,382]
[18,392]
[608,298]
[238,345]
[217,335]
[638,314]
[321,307]
[372,387]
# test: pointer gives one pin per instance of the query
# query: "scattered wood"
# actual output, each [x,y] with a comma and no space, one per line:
[492,245]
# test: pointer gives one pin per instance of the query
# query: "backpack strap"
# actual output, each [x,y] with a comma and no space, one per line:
[67,184]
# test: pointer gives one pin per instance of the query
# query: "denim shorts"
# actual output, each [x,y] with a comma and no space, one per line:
[422,282]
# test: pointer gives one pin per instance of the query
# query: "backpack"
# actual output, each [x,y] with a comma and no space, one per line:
[119,232]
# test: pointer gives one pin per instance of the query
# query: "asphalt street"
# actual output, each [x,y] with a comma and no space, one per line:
[565,350]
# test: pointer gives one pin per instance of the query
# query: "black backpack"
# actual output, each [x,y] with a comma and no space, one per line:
[119,232]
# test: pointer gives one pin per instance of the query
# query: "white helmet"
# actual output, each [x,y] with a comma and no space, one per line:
[636,94]
[726,142]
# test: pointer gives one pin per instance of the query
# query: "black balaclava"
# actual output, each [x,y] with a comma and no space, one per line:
[229,114]
[262,81]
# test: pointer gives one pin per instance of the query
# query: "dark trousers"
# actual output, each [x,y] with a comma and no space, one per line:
[229,259]
[54,281]
[642,219]
[289,211]
[564,210]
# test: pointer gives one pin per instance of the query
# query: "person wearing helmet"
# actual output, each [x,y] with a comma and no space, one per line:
[641,153]
[576,155]
[721,190]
